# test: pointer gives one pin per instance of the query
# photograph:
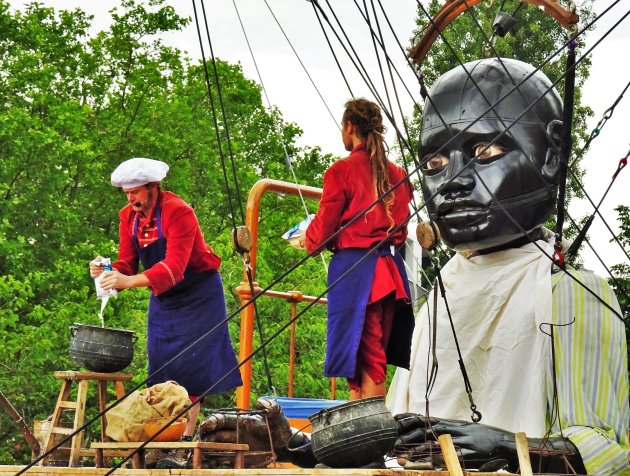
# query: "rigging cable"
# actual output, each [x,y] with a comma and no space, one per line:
[302,64]
[391,28]
[393,83]
[362,71]
[364,75]
[595,133]
[215,123]
[321,25]
[229,142]
[395,90]
[600,125]
[575,246]
[618,285]
[276,125]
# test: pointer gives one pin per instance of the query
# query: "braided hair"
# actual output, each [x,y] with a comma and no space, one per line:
[366,117]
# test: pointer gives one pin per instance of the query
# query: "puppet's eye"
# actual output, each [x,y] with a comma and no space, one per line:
[434,163]
[485,150]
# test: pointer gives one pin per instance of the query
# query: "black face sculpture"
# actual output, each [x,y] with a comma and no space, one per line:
[473,177]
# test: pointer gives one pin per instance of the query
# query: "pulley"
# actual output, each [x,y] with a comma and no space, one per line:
[428,235]
[242,239]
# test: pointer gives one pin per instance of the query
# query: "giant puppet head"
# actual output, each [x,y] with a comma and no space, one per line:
[490,163]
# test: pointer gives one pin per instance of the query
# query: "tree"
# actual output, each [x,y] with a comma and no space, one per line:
[74,105]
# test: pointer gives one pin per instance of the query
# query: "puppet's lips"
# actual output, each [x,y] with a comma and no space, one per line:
[462,214]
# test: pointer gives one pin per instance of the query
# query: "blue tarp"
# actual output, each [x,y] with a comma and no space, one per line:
[304,407]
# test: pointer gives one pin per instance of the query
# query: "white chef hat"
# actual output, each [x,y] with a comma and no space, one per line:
[138,171]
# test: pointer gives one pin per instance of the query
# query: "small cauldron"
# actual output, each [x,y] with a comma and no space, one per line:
[101,349]
[353,434]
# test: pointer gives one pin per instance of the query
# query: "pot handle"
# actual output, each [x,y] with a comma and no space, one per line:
[297,448]
[134,338]
[73,330]
[325,415]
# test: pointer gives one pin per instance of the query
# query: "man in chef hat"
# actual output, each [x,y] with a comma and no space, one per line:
[160,231]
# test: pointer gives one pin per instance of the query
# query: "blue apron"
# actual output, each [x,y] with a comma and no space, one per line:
[347,302]
[182,315]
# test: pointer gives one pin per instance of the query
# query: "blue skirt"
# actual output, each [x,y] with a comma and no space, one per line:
[176,320]
[350,277]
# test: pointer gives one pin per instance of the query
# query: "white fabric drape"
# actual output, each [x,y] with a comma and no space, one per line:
[497,303]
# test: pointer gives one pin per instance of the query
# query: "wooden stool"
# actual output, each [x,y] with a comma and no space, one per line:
[78,406]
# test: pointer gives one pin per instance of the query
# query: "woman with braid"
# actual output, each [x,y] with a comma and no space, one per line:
[362,219]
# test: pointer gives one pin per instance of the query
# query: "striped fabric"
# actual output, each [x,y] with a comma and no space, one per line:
[592,373]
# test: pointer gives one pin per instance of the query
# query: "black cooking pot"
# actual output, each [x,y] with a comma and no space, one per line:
[101,349]
[353,434]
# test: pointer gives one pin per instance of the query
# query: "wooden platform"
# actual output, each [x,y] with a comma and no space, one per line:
[50,471]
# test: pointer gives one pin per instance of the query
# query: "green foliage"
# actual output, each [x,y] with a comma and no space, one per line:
[73,105]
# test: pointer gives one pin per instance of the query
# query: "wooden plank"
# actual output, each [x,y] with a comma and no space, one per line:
[52,471]
[522,450]
[167,445]
[450,455]
[77,375]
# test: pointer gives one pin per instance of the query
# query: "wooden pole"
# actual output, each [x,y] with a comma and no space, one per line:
[19,421]
[450,455]
[522,450]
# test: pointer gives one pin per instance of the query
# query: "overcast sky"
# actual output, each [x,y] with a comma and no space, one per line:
[288,86]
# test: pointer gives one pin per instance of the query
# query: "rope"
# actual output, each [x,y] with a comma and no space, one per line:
[600,125]
[619,286]
[234,176]
[332,50]
[276,125]
[360,69]
[223,114]
[302,64]
[575,246]
[214,119]
[476,415]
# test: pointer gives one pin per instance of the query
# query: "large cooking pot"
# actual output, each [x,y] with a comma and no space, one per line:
[101,349]
[353,434]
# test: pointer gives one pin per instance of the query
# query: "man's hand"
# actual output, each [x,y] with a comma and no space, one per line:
[478,444]
[96,268]
[115,280]
[481,446]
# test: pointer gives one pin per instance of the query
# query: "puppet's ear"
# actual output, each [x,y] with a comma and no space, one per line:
[553,159]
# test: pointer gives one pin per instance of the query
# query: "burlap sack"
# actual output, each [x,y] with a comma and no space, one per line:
[124,422]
